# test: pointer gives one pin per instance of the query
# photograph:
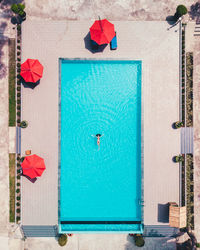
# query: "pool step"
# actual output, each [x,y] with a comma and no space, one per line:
[40,231]
[197,30]
[160,231]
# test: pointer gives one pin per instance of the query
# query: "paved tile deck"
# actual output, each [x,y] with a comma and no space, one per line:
[158,49]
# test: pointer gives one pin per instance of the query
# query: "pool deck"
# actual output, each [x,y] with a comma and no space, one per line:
[158,48]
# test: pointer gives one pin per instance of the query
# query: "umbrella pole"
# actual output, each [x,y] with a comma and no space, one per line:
[100,23]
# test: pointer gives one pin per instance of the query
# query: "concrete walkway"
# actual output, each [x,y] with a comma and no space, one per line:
[6,31]
[196,122]
[100,242]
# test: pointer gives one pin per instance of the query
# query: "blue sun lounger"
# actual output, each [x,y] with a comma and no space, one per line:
[113,43]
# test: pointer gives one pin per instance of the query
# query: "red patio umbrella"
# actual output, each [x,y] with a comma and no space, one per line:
[31,70]
[102,31]
[33,166]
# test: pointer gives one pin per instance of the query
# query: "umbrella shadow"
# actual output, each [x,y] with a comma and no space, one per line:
[33,180]
[90,47]
[30,85]
[16,20]
[171,20]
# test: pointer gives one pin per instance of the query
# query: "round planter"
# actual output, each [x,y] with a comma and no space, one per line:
[24,124]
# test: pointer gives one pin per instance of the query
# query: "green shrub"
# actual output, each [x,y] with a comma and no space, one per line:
[24,124]
[19,171]
[18,41]
[62,240]
[17,190]
[18,59]
[181,10]
[18,53]
[197,244]
[18,204]
[22,159]
[18,210]
[18,88]
[18,198]
[178,124]
[18,177]
[18,120]
[179,158]
[18,65]
[17,8]
[18,102]
[18,107]
[14,8]
[18,218]
[18,184]
[18,94]
[22,13]
[139,240]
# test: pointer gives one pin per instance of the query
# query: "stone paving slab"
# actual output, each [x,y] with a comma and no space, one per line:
[4,139]
[114,10]
[12,139]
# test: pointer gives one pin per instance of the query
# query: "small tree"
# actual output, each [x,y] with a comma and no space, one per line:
[181,10]
[17,8]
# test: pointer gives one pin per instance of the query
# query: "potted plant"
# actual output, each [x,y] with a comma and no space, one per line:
[62,239]
[179,158]
[178,124]
[139,240]
[24,124]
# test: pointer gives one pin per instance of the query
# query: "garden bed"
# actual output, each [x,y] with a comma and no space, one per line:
[190,191]
[18,189]
[189,89]
[183,76]
[183,182]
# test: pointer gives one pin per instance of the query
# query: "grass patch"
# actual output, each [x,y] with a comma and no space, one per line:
[12,186]
[11,79]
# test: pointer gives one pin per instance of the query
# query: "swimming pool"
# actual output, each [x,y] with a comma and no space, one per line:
[100,187]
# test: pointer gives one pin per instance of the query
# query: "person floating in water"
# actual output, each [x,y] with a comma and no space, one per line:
[98,136]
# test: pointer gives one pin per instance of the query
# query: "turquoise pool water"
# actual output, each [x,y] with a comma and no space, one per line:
[100,187]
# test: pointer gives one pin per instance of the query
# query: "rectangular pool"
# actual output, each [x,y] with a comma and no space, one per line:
[100,187]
